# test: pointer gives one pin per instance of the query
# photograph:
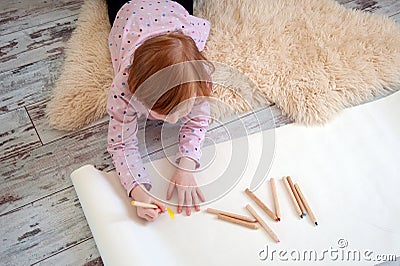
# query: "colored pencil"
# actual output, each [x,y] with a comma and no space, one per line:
[261,204]
[275,196]
[262,223]
[233,215]
[296,195]
[238,221]
[152,206]
[143,204]
[292,198]
[310,213]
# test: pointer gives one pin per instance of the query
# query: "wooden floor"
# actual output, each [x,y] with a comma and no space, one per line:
[41,220]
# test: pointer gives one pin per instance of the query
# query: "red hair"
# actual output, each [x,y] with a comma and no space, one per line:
[162,52]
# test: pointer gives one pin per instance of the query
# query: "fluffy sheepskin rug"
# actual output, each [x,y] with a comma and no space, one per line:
[312,58]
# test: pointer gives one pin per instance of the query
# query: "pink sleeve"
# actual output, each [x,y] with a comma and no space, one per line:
[122,140]
[193,129]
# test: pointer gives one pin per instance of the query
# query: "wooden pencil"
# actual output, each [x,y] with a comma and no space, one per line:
[143,204]
[292,198]
[296,195]
[261,204]
[233,215]
[306,205]
[238,221]
[262,223]
[275,196]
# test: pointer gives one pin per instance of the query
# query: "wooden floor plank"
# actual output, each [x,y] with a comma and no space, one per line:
[42,228]
[83,253]
[384,7]
[17,135]
[30,63]
[31,60]
[396,17]
[28,84]
[44,170]
[35,44]
[17,15]
[47,134]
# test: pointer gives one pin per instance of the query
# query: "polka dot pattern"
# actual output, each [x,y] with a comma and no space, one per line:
[193,129]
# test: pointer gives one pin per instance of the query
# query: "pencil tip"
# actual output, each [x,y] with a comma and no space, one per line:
[301,216]
[316,223]
[279,219]
[304,214]
[278,241]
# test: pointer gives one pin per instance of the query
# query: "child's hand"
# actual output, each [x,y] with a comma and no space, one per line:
[188,191]
[139,194]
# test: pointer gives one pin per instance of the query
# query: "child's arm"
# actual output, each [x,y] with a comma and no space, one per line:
[191,136]
[193,129]
[122,141]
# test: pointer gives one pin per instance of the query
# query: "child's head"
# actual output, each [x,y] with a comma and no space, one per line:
[159,53]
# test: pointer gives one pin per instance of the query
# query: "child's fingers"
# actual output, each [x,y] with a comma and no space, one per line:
[142,214]
[170,189]
[181,198]
[150,212]
[201,196]
[160,205]
[188,196]
[149,218]
[195,200]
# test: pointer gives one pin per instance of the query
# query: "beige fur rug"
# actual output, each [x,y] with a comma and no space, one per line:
[311,57]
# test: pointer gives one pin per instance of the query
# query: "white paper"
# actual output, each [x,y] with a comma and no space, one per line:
[348,171]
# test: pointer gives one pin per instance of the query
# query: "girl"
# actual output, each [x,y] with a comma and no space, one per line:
[147,37]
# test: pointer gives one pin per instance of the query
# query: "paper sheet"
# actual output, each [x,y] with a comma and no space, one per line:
[349,171]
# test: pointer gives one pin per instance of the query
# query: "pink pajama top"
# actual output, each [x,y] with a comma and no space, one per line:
[136,22]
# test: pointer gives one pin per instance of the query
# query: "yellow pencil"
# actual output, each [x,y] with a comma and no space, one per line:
[151,206]
[143,204]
